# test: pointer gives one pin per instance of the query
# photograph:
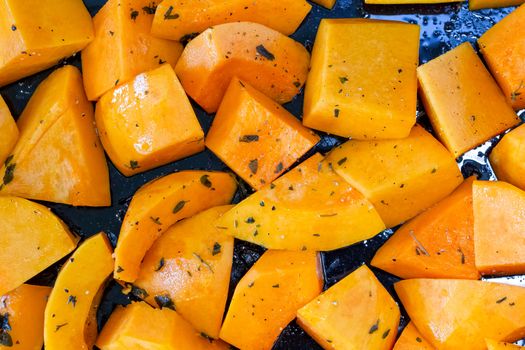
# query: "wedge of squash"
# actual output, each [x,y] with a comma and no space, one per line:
[508,158]
[438,243]
[499,228]
[32,238]
[267,298]
[8,130]
[326,3]
[139,326]
[496,345]
[359,300]
[266,59]
[460,314]
[69,308]
[161,203]
[309,208]
[411,339]
[58,157]
[189,267]
[484,4]
[22,318]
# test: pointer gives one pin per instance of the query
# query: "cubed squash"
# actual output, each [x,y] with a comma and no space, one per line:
[22,318]
[123,46]
[496,345]
[268,60]
[35,37]
[499,228]
[255,136]
[503,47]
[359,300]
[188,268]
[438,243]
[326,3]
[268,296]
[464,103]
[460,314]
[182,20]
[139,326]
[8,130]
[364,86]
[309,208]
[76,288]
[32,238]
[400,177]
[508,158]
[148,122]
[58,157]
[483,4]
[161,203]
[408,2]
[411,339]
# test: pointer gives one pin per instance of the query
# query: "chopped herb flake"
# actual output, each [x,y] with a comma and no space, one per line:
[250,220]
[150,10]
[161,264]
[501,300]
[170,15]
[156,220]
[134,14]
[9,173]
[58,326]
[261,50]
[336,112]
[207,337]
[419,340]
[119,269]
[5,339]
[133,164]
[8,160]
[139,292]
[216,249]
[72,300]
[249,138]
[164,301]
[343,80]
[253,165]
[374,328]
[342,161]
[275,285]
[385,334]
[203,261]
[279,168]
[187,38]
[178,207]
[205,180]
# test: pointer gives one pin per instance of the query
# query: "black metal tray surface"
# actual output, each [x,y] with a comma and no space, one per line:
[443,27]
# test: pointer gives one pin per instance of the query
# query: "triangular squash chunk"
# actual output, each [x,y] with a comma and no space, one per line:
[411,339]
[496,345]
[437,243]
[58,157]
[309,208]
[460,314]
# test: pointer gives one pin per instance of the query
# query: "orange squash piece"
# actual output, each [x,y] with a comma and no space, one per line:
[508,158]
[484,4]
[460,314]
[408,2]
[359,300]
[36,37]
[411,339]
[71,301]
[309,208]
[123,46]
[255,136]
[400,177]
[267,298]
[161,203]
[139,326]
[32,238]
[438,243]
[495,345]
[364,86]
[23,311]
[326,3]
[8,130]
[499,228]
[464,103]
[58,157]
[189,267]
[268,60]
[148,122]
[181,20]
[503,47]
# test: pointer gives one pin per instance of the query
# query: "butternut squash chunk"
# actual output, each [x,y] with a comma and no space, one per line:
[484,4]
[400,177]
[460,314]
[22,316]
[268,60]
[36,37]
[406,2]
[503,47]
[411,339]
[58,157]
[359,300]
[32,238]
[462,100]
[8,130]
[326,3]
[508,158]
[148,122]
[438,243]
[161,203]
[70,303]
[255,136]
[139,326]
[495,345]
[180,20]
[267,298]
[499,228]
[309,208]
[364,86]
[123,46]
[189,266]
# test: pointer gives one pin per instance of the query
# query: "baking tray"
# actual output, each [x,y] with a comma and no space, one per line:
[442,28]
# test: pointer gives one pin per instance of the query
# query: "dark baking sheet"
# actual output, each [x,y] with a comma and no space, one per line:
[442,28]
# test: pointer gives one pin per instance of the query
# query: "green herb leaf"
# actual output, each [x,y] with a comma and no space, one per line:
[374,328]
[156,220]
[216,249]
[514,95]
[419,340]
[139,292]
[501,300]
[133,164]
[8,160]
[134,14]
[337,111]
[150,10]
[178,207]
[250,220]
[261,50]
[58,326]
[5,339]
[170,15]
[386,333]
[72,300]
[275,285]
[205,180]
[342,161]
[203,261]
[253,165]
[9,173]
[187,38]
[160,265]
[119,269]
[164,301]
[343,80]
[249,138]
[279,168]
